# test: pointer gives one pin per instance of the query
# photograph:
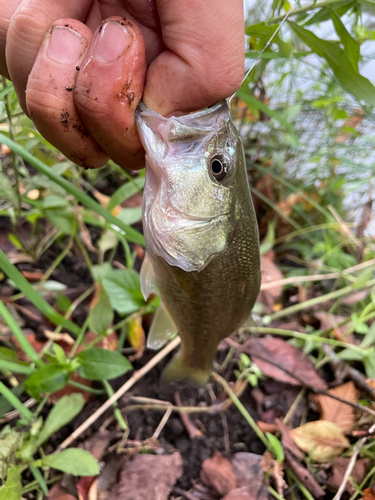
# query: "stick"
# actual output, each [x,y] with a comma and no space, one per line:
[117,395]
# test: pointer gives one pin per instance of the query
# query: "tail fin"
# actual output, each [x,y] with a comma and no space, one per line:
[178,370]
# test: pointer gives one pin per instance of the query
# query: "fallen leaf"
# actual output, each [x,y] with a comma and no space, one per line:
[305,476]
[243,493]
[369,493]
[266,427]
[328,321]
[96,445]
[286,440]
[217,473]
[335,411]
[268,352]
[147,477]
[355,297]
[270,272]
[276,470]
[322,440]
[32,276]
[249,474]
[136,335]
[358,473]
[58,492]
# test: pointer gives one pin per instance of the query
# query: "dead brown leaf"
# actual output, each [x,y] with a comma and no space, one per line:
[266,427]
[96,445]
[286,440]
[147,476]
[304,476]
[338,472]
[355,297]
[268,352]
[369,493]
[57,492]
[243,493]
[270,272]
[217,473]
[276,470]
[249,473]
[335,411]
[322,440]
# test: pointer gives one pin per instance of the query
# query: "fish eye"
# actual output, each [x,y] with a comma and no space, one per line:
[218,167]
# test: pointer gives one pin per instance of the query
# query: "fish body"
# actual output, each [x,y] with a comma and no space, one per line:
[200,229]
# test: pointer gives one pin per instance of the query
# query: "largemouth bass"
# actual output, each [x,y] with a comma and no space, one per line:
[201,233]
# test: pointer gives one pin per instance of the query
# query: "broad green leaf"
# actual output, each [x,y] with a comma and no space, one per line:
[10,441]
[108,240]
[321,439]
[246,96]
[352,47]
[369,338]
[53,201]
[125,191]
[356,84]
[101,312]
[62,413]
[101,364]
[264,33]
[73,461]
[12,488]
[124,290]
[64,220]
[350,354]
[100,272]
[50,378]
[369,363]
[323,15]
[130,215]
[370,4]
[276,446]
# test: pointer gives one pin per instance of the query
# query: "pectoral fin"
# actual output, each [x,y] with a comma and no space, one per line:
[147,278]
[162,328]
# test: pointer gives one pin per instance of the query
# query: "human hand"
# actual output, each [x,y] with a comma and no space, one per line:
[79,72]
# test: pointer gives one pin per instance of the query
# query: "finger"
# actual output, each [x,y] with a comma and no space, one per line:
[109,88]
[204,62]
[27,29]
[49,94]
[6,12]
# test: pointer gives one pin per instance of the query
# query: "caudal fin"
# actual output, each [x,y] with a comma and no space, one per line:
[178,370]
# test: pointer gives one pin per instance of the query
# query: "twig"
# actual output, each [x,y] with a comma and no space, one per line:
[162,424]
[188,424]
[351,465]
[117,395]
[185,494]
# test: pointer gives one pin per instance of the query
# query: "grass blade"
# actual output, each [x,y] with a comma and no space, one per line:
[130,233]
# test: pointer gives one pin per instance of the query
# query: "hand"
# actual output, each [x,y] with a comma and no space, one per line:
[79,72]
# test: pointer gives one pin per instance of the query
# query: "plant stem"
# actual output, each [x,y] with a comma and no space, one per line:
[249,419]
[318,300]
[15,402]
[25,345]
[38,476]
[304,336]
[116,410]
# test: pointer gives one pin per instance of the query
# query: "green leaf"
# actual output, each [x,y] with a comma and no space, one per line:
[125,191]
[124,290]
[73,461]
[245,95]
[350,354]
[323,15]
[50,378]
[101,364]
[356,84]
[369,362]
[352,47]
[101,312]
[370,4]
[277,447]
[264,33]
[130,215]
[10,441]
[64,220]
[61,414]
[12,488]
[369,338]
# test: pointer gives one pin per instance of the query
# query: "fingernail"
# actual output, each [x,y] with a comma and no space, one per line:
[112,41]
[65,45]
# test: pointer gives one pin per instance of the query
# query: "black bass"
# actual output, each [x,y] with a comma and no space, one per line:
[201,233]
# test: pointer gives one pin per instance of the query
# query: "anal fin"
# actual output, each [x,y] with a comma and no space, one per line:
[162,328]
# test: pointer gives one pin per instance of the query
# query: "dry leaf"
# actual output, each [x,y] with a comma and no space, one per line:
[276,470]
[266,427]
[249,473]
[148,477]
[57,492]
[243,493]
[336,412]
[270,272]
[136,335]
[286,440]
[304,476]
[321,439]
[339,468]
[369,493]
[270,351]
[217,473]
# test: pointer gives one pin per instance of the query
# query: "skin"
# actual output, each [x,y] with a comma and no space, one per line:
[180,56]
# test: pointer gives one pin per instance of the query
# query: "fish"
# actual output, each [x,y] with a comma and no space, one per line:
[201,232]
